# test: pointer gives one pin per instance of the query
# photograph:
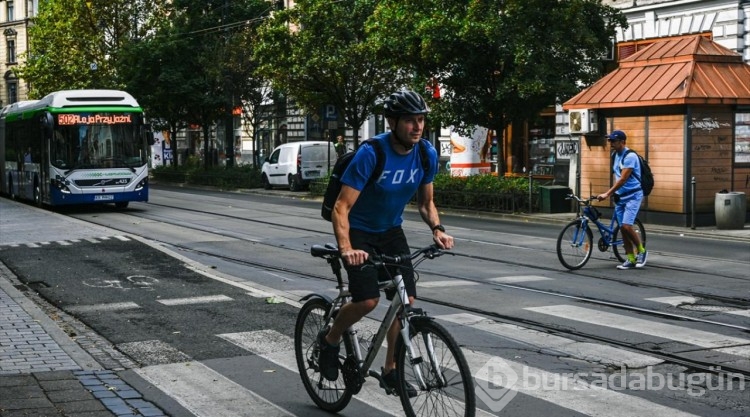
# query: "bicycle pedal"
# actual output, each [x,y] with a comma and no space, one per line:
[381,382]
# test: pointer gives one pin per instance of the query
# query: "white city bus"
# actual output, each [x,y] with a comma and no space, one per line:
[75,147]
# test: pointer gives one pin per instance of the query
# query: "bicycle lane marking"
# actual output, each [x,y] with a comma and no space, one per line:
[279,349]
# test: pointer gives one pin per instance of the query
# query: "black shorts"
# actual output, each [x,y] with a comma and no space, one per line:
[363,283]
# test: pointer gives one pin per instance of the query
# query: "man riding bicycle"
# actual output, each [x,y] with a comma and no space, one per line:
[367,218]
[628,195]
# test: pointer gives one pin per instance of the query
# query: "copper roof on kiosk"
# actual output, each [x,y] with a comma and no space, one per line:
[689,70]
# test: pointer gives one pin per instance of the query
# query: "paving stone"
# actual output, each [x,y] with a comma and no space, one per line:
[29,391]
[37,412]
[61,385]
[54,375]
[69,395]
[24,403]
[77,407]
[13,380]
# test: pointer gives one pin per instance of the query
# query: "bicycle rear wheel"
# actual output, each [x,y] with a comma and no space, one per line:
[450,386]
[617,236]
[574,245]
[331,396]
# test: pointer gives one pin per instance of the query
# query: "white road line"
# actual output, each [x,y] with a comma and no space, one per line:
[105,307]
[279,349]
[195,300]
[122,238]
[446,283]
[591,352]
[205,392]
[674,301]
[92,240]
[519,278]
[727,344]
[563,390]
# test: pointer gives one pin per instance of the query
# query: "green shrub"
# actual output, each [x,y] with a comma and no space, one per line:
[244,176]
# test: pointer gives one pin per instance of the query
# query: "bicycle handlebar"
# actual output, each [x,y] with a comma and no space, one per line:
[331,251]
[584,201]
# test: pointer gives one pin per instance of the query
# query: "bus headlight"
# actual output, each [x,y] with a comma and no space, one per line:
[61,185]
[142,184]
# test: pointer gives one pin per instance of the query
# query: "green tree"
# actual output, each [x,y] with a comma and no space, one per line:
[318,53]
[196,65]
[497,61]
[75,44]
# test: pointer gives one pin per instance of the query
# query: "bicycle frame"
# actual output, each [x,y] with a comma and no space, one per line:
[399,303]
[606,232]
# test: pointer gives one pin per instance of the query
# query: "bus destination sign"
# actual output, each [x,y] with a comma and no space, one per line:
[93,119]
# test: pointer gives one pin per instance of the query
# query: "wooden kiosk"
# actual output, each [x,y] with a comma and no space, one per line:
[685,106]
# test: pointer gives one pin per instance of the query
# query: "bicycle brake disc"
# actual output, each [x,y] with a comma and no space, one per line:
[352,379]
[603,245]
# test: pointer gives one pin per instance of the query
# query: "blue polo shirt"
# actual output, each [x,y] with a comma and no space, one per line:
[380,205]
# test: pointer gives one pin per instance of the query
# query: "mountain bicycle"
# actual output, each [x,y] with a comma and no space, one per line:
[428,359]
[575,242]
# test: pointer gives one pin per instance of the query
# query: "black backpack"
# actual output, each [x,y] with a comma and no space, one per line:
[647,177]
[334,183]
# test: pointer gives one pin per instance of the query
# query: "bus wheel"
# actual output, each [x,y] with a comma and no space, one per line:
[121,204]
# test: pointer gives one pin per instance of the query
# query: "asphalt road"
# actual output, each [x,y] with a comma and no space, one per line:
[193,277]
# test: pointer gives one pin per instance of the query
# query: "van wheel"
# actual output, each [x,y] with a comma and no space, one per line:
[294,184]
[264,180]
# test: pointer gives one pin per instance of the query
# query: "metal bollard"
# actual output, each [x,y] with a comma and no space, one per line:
[692,203]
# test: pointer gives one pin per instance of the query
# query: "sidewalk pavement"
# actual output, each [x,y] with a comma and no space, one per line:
[44,372]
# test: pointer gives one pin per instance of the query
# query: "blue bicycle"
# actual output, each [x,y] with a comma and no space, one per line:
[576,241]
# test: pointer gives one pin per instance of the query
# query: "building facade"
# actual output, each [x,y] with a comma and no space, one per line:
[15,18]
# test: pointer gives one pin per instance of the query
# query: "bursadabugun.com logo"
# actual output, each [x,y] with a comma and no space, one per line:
[495,382]
[498,382]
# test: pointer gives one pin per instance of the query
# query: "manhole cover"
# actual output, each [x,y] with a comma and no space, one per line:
[707,308]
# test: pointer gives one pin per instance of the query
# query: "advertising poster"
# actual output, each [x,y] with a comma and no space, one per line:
[161,150]
[468,153]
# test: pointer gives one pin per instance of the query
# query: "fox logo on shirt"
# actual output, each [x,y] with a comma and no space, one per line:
[400,176]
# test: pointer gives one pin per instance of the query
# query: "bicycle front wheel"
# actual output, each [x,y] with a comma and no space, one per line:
[617,237]
[574,245]
[331,396]
[449,389]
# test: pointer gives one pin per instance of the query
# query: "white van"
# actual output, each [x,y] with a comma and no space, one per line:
[295,164]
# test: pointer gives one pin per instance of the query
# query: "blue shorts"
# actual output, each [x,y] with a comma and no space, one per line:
[626,209]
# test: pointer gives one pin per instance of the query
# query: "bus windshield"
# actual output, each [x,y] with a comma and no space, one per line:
[96,140]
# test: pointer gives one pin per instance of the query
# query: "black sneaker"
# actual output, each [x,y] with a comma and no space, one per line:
[328,361]
[392,380]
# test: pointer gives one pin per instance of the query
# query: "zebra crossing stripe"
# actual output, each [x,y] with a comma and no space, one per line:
[195,300]
[279,349]
[591,352]
[519,278]
[715,341]
[679,300]
[446,283]
[205,392]
[577,395]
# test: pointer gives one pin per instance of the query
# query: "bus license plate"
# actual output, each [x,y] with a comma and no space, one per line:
[104,197]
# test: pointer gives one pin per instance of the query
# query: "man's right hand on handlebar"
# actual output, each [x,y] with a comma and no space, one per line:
[354,257]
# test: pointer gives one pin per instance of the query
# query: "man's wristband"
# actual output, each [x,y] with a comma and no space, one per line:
[438,227]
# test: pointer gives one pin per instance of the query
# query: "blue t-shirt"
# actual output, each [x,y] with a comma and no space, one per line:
[632,185]
[381,204]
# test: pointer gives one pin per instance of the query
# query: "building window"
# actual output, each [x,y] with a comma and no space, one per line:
[11,51]
[12,91]
[742,138]
[10,9]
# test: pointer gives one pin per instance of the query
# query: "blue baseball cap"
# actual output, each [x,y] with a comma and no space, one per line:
[617,135]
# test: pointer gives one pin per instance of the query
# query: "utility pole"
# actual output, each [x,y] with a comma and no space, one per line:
[229,117]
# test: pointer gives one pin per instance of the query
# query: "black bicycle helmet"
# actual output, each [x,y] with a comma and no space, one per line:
[404,103]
